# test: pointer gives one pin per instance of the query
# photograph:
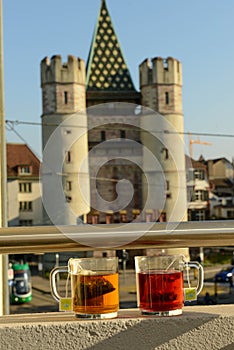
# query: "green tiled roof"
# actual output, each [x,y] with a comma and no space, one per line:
[106,66]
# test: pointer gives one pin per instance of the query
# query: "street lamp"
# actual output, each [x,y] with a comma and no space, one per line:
[4,292]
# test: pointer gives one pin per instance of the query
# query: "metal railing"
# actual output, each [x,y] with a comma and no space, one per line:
[35,239]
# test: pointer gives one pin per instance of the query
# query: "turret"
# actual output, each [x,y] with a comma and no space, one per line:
[73,71]
[161,84]
[160,71]
[63,84]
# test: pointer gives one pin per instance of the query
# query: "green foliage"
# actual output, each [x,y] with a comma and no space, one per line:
[219,258]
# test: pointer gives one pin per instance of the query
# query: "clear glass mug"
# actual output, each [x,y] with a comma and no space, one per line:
[160,283]
[94,286]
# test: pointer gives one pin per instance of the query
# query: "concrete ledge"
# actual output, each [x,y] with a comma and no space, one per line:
[200,327]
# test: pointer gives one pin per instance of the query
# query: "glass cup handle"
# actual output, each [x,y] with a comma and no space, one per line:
[199,268]
[53,287]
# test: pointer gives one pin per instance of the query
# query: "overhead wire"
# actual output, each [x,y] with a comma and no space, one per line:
[10,125]
[11,128]
[20,122]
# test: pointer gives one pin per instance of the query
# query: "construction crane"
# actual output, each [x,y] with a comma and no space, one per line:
[197,141]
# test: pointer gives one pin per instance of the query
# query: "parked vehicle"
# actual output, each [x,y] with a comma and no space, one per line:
[225,275]
[20,287]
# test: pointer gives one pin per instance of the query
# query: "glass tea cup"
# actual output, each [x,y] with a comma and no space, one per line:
[160,283]
[94,286]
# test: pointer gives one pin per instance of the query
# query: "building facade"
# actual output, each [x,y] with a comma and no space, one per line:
[198,190]
[221,178]
[24,201]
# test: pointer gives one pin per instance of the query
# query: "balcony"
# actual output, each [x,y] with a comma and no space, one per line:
[199,327]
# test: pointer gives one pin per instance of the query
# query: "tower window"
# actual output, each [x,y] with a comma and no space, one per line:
[163,217]
[165,64]
[65,97]
[103,135]
[178,67]
[165,152]
[167,98]
[68,199]
[69,185]
[122,134]
[68,157]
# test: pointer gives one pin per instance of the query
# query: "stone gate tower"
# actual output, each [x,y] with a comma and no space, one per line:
[67,89]
[161,90]
[64,106]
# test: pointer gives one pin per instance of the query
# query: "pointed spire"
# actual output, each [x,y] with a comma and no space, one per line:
[106,66]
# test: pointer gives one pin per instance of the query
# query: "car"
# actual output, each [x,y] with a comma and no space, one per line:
[225,275]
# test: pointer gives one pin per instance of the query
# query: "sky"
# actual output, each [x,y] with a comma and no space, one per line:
[198,33]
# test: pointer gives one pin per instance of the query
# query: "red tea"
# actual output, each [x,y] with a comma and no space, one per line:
[160,290]
[95,294]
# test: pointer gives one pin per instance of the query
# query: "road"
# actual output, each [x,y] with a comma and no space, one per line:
[41,302]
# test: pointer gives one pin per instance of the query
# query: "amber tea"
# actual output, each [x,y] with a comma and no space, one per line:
[95,294]
[94,287]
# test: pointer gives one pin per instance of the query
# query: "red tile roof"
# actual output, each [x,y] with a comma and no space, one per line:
[20,155]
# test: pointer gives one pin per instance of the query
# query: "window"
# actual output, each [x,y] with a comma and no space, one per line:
[65,97]
[230,214]
[165,64]
[25,206]
[26,223]
[178,67]
[189,215]
[68,185]
[198,195]
[68,199]
[199,174]
[190,195]
[103,135]
[122,134]
[149,217]
[162,217]
[165,152]
[109,218]
[168,194]
[25,187]
[200,215]
[123,216]
[167,98]
[68,157]
[95,219]
[24,170]
[201,195]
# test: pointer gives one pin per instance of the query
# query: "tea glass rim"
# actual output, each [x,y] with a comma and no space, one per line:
[154,257]
[95,258]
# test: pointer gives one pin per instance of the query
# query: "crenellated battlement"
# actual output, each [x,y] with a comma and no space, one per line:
[160,71]
[55,71]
